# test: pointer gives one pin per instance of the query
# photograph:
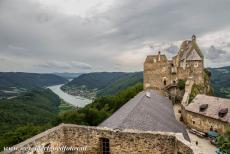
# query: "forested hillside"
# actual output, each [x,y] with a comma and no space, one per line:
[28,80]
[220,79]
[102,83]
[27,115]
[34,112]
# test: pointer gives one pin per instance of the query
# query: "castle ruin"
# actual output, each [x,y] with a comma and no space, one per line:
[160,73]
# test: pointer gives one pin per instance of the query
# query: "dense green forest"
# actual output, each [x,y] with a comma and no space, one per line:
[28,80]
[36,111]
[220,79]
[27,115]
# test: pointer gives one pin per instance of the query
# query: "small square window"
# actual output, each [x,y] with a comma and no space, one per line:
[196,65]
[104,146]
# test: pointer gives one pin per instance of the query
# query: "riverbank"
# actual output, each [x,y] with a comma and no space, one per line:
[77,101]
[81,91]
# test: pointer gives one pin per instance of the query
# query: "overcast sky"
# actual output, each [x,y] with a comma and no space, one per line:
[108,35]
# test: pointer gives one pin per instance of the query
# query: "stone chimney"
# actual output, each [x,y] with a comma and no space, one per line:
[159,56]
[193,37]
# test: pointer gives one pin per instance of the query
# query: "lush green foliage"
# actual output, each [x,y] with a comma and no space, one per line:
[32,111]
[181,84]
[94,113]
[202,89]
[65,107]
[224,141]
[28,80]
[196,89]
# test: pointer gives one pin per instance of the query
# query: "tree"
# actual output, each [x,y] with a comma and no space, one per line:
[223,141]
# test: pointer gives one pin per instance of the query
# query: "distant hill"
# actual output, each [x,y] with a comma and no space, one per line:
[26,115]
[220,80]
[68,75]
[28,80]
[105,83]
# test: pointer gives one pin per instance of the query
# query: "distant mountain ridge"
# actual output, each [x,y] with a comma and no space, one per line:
[106,83]
[28,80]
[68,75]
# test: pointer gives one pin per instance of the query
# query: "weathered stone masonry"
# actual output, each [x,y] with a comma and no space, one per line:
[126,141]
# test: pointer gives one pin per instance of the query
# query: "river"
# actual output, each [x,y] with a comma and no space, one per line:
[74,100]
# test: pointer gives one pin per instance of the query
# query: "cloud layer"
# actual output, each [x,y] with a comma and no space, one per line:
[40,37]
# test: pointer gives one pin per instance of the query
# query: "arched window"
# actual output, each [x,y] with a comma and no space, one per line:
[165,82]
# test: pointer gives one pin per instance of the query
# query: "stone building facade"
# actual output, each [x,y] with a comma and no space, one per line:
[160,73]
[91,139]
[207,113]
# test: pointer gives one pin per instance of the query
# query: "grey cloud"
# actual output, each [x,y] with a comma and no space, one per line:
[31,31]
[2,59]
[215,54]
[65,65]
[173,49]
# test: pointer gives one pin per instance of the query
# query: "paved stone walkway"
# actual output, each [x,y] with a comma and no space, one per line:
[204,146]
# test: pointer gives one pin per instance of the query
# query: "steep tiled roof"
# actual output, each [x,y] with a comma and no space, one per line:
[215,104]
[154,113]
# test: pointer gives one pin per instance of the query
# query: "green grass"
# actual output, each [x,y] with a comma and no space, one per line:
[65,107]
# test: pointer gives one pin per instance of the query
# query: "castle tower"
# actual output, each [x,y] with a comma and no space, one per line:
[160,73]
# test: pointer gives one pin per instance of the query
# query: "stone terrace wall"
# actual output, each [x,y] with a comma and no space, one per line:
[126,141]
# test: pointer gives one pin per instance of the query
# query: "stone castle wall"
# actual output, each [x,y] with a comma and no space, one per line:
[122,142]
[203,123]
[154,74]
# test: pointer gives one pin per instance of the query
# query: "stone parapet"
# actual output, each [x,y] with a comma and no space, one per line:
[125,141]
